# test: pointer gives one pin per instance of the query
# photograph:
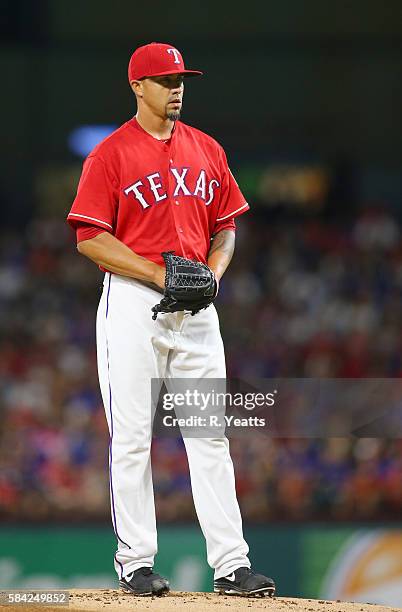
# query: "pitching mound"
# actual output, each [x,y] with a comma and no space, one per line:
[111,600]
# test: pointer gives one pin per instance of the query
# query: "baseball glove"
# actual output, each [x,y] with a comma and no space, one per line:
[189,285]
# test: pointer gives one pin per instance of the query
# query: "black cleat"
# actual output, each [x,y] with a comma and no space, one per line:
[144,582]
[244,581]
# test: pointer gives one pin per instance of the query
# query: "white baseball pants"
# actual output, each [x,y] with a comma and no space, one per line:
[132,348]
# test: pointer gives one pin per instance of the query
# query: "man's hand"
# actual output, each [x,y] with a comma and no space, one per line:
[189,285]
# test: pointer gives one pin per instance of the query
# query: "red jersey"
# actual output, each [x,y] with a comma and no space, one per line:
[156,195]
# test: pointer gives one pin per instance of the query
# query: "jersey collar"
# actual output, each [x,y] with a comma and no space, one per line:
[134,123]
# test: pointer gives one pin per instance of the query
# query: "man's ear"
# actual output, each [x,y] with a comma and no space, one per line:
[136,86]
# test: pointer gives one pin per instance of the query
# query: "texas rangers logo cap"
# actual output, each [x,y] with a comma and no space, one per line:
[157,59]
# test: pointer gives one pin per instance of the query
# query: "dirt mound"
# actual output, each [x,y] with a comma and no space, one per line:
[204,602]
[112,600]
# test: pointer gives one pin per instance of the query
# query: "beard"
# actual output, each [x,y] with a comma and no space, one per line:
[173,115]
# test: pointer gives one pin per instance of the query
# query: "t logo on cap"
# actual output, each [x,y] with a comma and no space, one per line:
[155,59]
[176,55]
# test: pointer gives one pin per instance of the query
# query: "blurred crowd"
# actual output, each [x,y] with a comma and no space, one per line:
[304,297]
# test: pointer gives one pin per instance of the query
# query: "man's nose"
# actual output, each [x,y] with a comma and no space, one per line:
[177,88]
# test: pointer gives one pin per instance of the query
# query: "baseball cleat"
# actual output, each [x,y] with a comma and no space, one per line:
[144,582]
[244,581]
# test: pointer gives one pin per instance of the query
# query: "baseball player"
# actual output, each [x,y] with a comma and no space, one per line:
[154,186]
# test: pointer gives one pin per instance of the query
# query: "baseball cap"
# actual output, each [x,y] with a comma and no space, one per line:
[157,59]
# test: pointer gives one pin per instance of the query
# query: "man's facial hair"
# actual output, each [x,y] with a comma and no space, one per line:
[173,115]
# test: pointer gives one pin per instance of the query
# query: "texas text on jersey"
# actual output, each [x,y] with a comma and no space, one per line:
[158,195]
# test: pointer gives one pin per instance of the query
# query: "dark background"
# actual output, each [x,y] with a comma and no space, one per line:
[283,80]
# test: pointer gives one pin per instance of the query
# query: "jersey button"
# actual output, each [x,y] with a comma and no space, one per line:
[177,203]
[180,230]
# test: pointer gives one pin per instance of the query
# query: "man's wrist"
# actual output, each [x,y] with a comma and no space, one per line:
[158,278]
[217,273]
